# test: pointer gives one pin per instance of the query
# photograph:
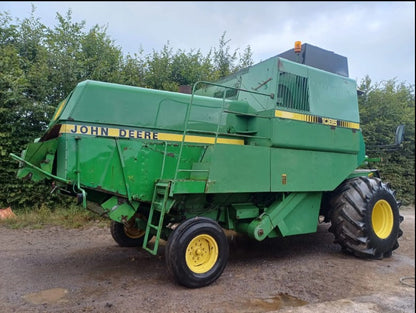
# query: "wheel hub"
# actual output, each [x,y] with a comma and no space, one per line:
[201,254]
[133,233]
[382,219]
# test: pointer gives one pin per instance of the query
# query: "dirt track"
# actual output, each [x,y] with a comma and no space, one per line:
[58,270]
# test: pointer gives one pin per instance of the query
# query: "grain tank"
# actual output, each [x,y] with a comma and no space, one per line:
[265,152]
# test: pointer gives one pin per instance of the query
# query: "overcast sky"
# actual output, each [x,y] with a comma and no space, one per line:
[378,38]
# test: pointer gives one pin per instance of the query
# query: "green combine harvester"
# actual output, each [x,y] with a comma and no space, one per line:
[266,152]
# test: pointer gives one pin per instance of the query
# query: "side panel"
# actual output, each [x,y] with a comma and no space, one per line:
[102,103]
[238,169]
[330,95]
[121,166]
[303,170]
[333,96]
[302,135]
[311,155]
[296,214]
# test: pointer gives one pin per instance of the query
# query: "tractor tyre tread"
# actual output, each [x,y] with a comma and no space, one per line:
[351,208]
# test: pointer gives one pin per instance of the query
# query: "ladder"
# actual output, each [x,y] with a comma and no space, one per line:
[159,204]
[186,128]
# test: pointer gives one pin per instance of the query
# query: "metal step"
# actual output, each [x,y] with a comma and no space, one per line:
[159,204]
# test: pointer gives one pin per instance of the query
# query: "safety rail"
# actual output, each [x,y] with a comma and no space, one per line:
[220,115]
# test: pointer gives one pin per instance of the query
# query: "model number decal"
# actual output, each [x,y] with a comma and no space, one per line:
[329,121]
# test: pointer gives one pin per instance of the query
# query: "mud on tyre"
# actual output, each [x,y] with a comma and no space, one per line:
[365,219]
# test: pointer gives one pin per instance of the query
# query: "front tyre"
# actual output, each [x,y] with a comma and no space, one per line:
[365,218]
[197,252]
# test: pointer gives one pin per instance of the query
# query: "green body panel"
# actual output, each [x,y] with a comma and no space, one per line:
[330,95]
[303,170]
[120,212]
[112,104]
[188,186]
[254,151]
[296,214]
[40,154]
[225,164]
[241,211]
[134,166]
[308,136]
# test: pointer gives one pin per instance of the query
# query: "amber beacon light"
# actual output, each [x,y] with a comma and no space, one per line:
[298,46]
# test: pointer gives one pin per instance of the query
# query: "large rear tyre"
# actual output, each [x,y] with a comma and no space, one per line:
[126,236]
[365,218]
[197,252]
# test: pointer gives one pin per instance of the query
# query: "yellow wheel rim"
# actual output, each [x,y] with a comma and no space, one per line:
[201,254]
[382,219]
[133,233]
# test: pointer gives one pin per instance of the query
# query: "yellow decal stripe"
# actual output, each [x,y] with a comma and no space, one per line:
[315,119]
[141,134]
[59,110]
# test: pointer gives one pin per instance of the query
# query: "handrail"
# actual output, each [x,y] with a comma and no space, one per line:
[223,109]
[271,95]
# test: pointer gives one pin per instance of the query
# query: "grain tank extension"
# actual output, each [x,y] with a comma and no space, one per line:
[265,152]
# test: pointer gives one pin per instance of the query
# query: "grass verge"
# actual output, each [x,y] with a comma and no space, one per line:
[72,217]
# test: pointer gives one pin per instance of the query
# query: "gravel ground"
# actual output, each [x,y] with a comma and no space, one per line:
[83,270]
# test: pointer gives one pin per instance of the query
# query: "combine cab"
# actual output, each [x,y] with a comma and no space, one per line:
[264,152]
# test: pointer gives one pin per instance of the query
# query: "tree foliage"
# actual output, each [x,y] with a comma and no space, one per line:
[383,107]
[40,65]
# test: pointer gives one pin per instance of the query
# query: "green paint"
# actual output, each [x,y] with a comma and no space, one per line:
[119,212]
[238,169]
[223,152]
[40,155]
[241,211]
[296,214]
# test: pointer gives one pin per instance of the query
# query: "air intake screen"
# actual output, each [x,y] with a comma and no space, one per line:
[293,92]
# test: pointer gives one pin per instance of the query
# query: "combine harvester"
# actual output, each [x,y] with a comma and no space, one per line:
[265,152]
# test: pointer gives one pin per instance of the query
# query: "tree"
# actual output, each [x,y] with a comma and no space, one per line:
[159,70]
[246,58]
[38,68]
[22,112]
[63,43]
[383,107]
[133,69]
[223,59]
[100,58]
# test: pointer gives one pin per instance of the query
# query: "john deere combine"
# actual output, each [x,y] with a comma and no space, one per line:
[265,152]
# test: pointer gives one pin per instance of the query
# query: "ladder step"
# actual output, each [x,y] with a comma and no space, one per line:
[160,194]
